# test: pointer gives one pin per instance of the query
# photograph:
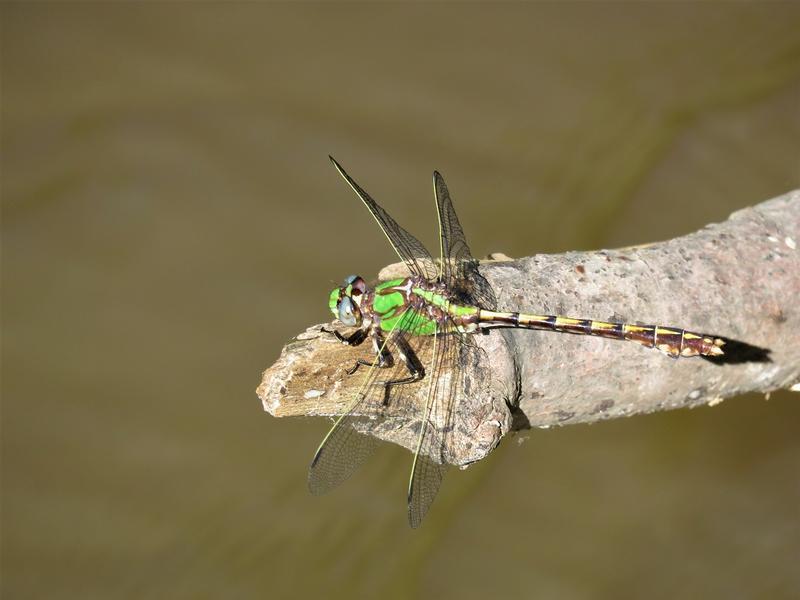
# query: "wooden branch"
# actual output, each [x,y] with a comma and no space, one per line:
[739,280]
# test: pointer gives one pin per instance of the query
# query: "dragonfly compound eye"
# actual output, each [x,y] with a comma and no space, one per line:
[347,312]
[358,286]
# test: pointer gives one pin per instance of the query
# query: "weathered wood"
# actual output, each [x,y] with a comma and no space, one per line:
[739,279]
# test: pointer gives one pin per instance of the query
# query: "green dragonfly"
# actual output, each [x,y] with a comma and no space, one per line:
[421,327]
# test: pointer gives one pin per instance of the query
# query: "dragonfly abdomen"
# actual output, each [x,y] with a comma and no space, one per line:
[672,341]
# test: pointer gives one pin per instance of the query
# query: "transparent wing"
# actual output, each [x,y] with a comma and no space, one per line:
[349,443]
[459,268]
[408,248]
[444,357]
[452,354]
[436,445]
[429,466]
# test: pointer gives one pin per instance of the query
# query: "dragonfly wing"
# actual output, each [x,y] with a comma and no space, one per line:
[426,479]
[340,455]
[435,443]
[408,248]
[453,245]
[349,443]
[459,268]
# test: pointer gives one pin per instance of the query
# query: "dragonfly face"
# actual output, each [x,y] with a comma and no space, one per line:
[345,301]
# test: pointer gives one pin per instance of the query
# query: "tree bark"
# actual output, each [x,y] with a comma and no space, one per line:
[739,280]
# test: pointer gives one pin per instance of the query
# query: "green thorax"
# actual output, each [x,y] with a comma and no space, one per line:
[417,307]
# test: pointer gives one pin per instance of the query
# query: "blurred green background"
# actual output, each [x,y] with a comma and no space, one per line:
[170,219]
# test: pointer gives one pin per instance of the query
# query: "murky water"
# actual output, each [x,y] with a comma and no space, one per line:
[170,219]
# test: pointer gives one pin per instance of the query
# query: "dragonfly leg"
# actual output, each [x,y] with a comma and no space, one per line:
[412,363]
[354,339]
[384,357]
[382,364]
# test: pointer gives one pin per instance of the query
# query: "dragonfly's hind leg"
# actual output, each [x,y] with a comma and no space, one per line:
[412,363]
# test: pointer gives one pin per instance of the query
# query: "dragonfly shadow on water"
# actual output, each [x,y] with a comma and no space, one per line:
[738,352]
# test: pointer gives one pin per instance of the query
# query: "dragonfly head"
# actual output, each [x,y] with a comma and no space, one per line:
[345,301]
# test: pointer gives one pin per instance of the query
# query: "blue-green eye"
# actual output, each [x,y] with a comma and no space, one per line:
[346,315]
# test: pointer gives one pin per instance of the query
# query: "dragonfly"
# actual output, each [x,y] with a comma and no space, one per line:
[422,331]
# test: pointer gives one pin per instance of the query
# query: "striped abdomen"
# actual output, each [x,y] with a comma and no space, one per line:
[669,340]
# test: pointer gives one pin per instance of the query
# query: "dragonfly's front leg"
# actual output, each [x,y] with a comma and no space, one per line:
[354,339]
[384,357]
